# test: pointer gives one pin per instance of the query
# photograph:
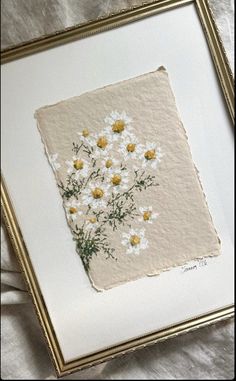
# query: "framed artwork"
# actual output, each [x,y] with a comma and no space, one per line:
[117,179]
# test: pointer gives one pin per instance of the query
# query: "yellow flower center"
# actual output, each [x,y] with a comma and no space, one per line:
[116,180]
[73,210]
[118,126]
[102,142]
[150,155]
[85,133]
[108,163]
[135,240]
[78,164]
[97,193]
[131,147]
[92,220]
[146,215]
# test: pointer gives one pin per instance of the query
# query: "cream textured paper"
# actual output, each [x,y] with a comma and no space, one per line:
[147,212]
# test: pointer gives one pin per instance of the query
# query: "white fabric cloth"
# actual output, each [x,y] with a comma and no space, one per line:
[203,354]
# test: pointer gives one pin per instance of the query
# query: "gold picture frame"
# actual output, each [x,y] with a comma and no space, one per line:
[227,86]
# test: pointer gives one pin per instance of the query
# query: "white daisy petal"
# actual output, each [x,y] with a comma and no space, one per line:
[147,215]
[118,180]
[72,210]
[95,195]
[108,163]
[87,138]
[150,155]
[118,124]
[78,166]
[134,241]
[102,145]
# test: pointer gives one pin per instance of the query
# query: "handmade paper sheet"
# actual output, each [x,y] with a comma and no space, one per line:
[130,190]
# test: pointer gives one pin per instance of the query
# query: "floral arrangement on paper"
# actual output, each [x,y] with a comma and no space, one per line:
[100,188]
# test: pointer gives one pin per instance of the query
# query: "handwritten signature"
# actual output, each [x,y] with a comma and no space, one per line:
[196,266]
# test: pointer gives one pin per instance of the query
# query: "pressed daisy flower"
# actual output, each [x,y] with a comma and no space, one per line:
[147,215]
[108,163]
[91,223]
[134,241]
[72,210]
[79,166]
[118,124]
[129,147]
[101,144]
[95,195]
[118,179]
[150,155]
[85,136]
[53,161]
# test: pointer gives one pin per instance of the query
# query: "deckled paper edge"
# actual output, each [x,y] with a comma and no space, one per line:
[185,262]
[213,254]
[94,91]
[195,167]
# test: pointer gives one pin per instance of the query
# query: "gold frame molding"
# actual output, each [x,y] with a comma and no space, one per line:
[227,85]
